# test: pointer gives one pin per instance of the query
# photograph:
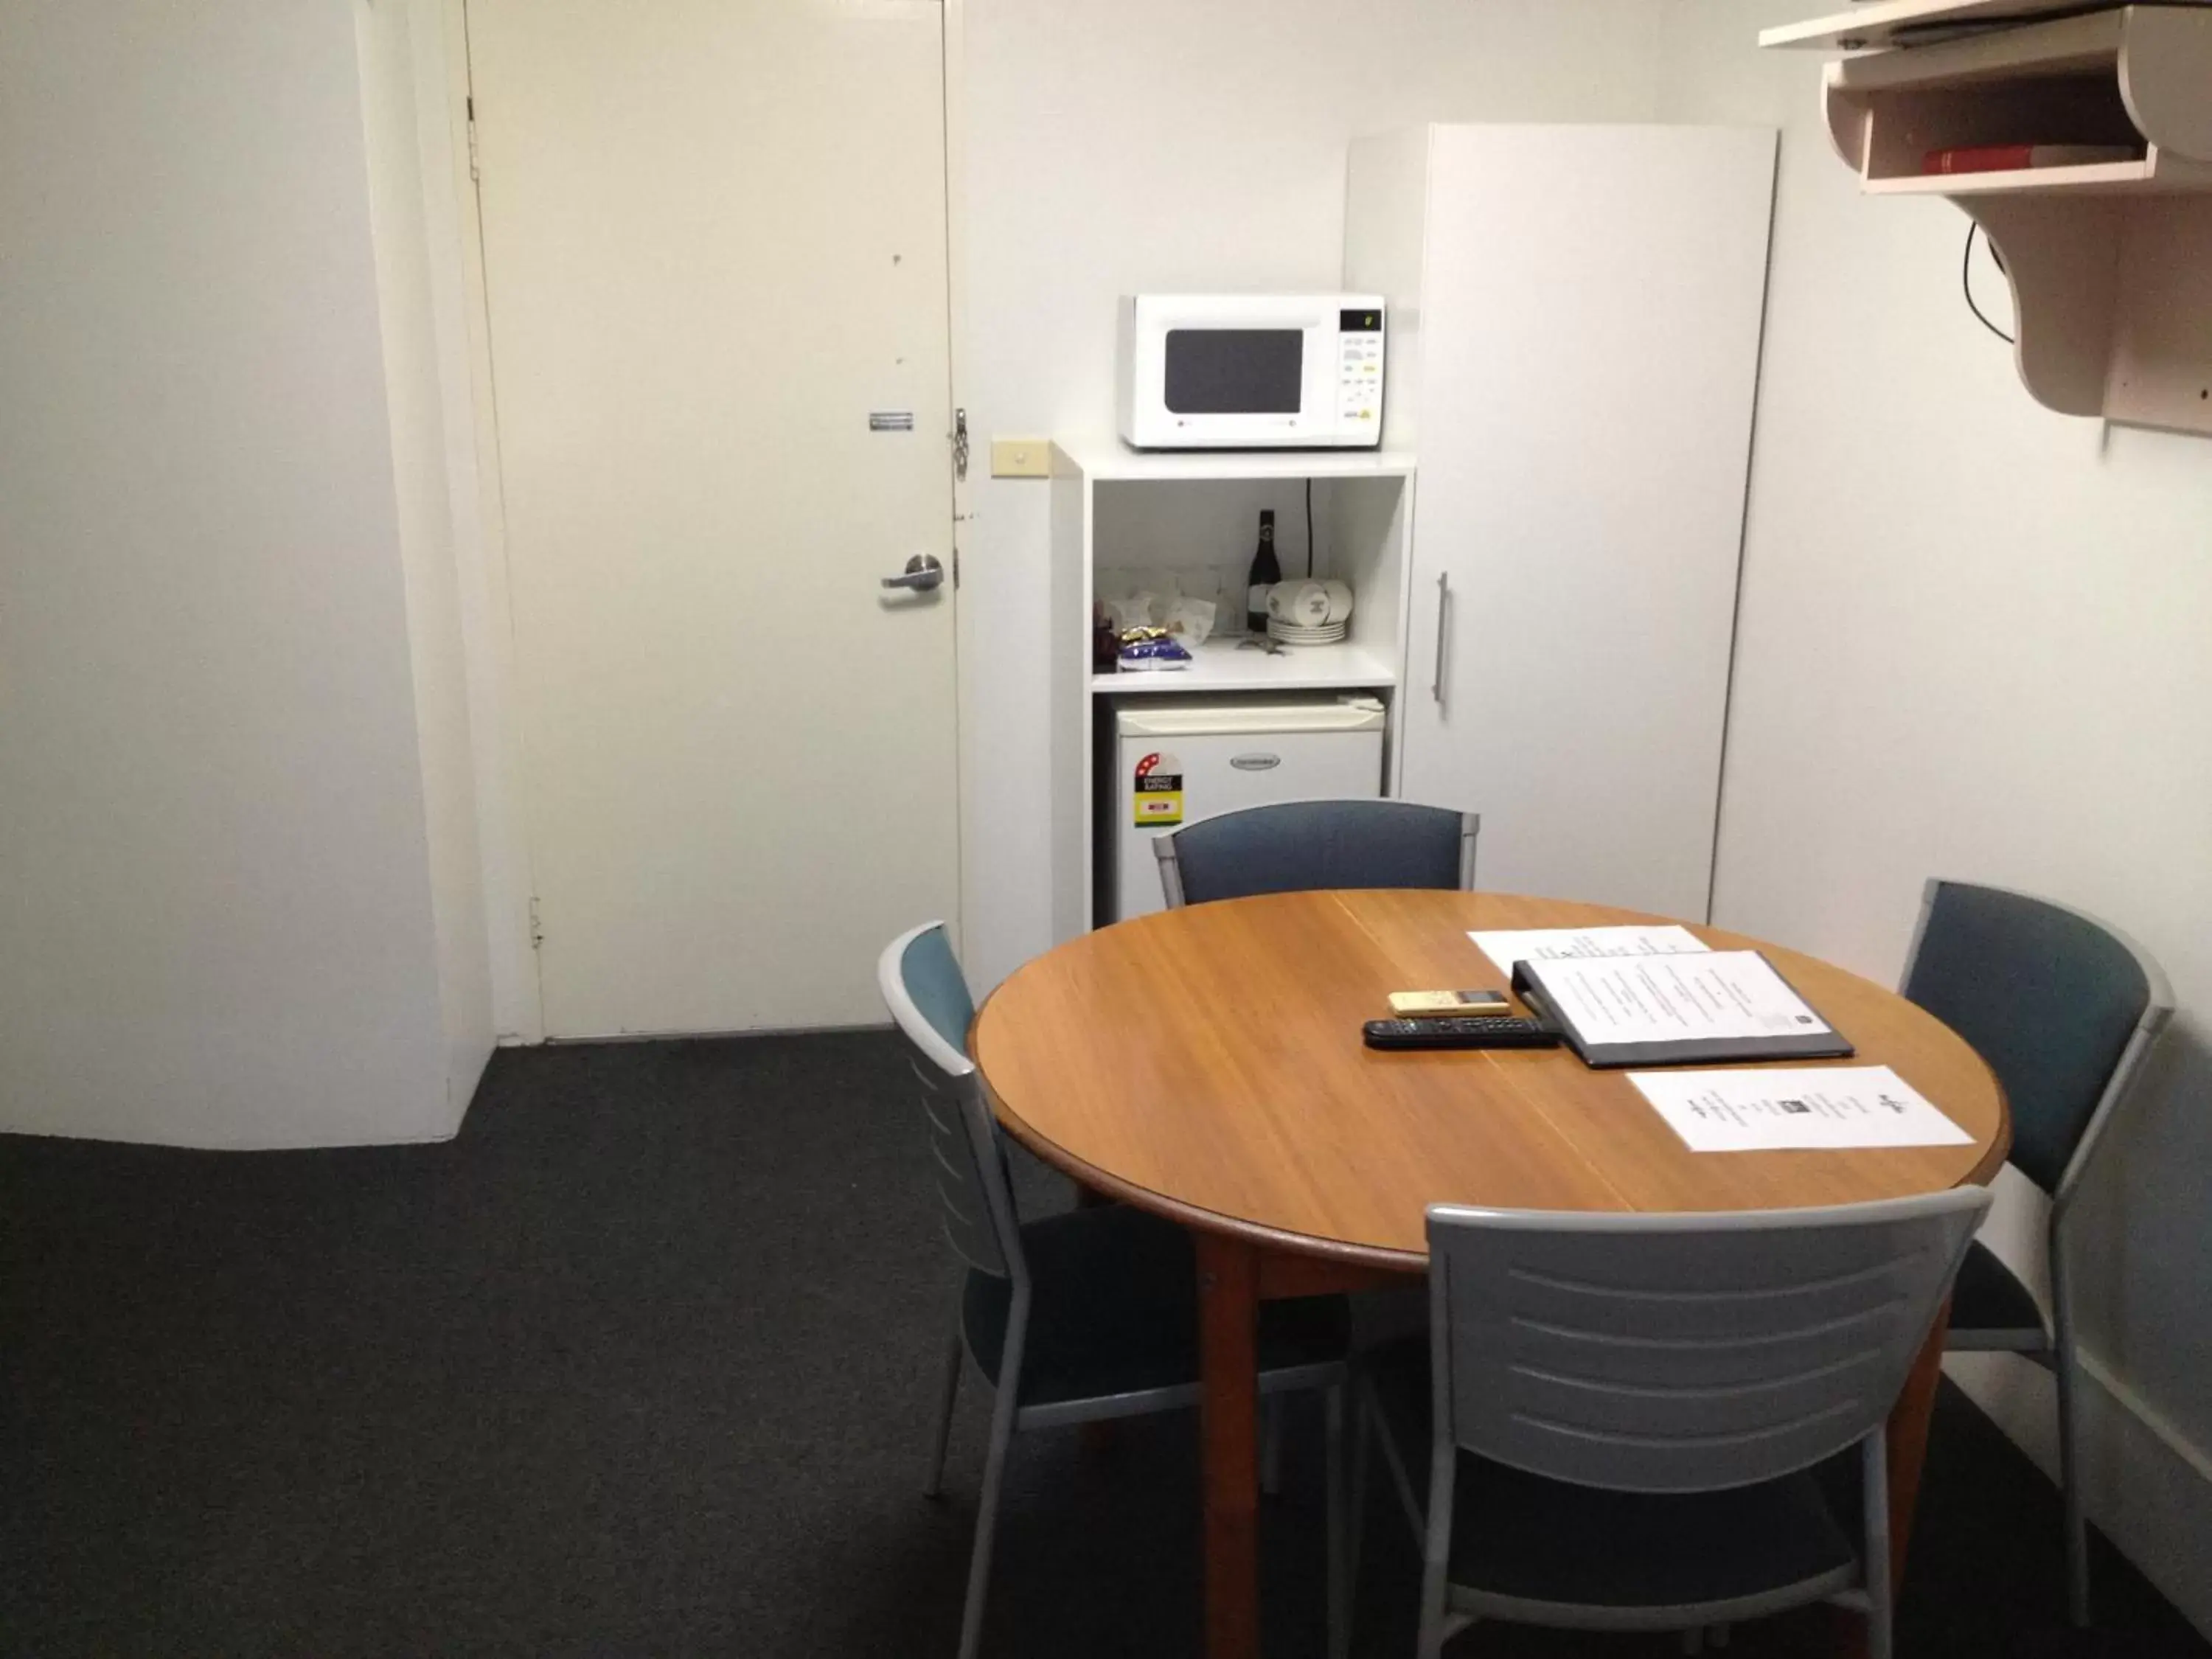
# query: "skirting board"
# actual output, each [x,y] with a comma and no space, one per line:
[2147,1486]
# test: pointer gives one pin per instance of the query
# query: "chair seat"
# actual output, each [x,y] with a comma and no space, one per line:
[1114,1310]
[1552,1544]
[1989,1298]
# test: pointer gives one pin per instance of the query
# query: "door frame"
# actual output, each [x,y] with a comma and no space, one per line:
[443,83]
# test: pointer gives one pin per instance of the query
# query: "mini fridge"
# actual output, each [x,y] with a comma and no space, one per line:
[1178,760]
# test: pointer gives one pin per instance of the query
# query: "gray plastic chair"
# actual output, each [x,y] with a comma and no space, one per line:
[1080,1316]
[1302,846]
[2064,1009]
[1623,1414]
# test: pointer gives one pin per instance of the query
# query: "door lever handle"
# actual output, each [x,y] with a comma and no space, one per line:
[923,575]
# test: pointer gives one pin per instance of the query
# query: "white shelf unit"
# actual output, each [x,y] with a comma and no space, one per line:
[1230,665]
[1109,461]
[2110,262]
[1194,515]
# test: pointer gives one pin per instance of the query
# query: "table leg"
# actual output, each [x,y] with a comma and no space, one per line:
[1102,1438]
[1908,1446]
[1844,1634]
[1908,1442]
[1228,1334]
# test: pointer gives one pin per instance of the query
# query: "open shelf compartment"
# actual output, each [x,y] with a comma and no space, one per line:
[1192,536]
[2110,261]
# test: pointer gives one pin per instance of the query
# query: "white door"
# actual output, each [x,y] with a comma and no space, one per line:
[1591,305]
[715,264]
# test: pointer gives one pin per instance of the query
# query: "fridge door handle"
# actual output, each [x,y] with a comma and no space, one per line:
[1443,621]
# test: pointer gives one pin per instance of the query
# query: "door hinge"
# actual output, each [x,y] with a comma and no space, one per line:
[475,172]
[960,445]
[536,928]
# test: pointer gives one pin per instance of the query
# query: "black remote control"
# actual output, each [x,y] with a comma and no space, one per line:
[1474,1031]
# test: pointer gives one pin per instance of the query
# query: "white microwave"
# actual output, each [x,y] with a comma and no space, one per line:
[1251,371]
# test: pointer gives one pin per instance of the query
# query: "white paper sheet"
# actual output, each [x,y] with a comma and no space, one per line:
[1569,943]
[1801,1107]
[1677,998]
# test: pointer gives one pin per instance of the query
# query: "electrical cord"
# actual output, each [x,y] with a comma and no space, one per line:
[1966,282]
[1309,529]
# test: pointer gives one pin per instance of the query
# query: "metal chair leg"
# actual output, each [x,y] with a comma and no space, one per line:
[1339,1576]
[1880,1593]
[1004,1410]
[1436,1551]
[950,1390]
[987,1524]
[2070,1481]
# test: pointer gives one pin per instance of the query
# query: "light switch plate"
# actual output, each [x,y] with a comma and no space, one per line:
[1021,457]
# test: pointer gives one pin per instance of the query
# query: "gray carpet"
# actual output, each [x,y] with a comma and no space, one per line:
[640,1364]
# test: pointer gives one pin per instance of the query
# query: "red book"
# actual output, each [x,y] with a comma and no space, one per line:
[2019,158]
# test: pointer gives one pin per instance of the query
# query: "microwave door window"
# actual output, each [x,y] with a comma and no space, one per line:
[1235,371]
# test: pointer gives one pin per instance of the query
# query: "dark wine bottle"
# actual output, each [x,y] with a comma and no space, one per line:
[1264,575]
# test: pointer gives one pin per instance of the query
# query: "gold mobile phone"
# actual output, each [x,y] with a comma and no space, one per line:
[1441,1005]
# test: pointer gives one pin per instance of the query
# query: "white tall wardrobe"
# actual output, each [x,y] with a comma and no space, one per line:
[1574,317]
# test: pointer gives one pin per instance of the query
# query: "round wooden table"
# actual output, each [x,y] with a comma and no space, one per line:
[1206,1064]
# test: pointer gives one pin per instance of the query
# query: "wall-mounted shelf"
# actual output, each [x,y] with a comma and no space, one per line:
[2110,263]
[1225,665]
[1911,23]
[2161,172]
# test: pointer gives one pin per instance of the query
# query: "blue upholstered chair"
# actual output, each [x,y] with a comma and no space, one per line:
[2063,1009]
[1076,1317]
[1299,846]
[1622,1415]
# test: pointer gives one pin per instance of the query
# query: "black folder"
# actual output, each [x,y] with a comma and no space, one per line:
[1827,1043]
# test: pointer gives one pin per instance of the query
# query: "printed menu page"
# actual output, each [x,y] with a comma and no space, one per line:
[1713,994]
[1506,947]
[1813,1107]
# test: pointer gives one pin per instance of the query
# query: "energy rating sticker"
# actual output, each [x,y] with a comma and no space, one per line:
[1159,794]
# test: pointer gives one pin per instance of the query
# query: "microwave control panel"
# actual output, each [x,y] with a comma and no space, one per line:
[1359,373]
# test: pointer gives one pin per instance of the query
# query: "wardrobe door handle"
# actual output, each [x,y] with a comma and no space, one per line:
[1443,624]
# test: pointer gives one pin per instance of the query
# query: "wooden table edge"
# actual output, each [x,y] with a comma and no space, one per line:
[1370,1260]
[2000,1144]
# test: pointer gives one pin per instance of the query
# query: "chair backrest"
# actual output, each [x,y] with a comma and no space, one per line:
[1683,1353]
[2062,1007]
[1299,845]
[927,996]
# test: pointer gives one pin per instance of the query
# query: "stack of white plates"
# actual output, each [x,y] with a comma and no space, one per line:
[1300,634]
[1308,612]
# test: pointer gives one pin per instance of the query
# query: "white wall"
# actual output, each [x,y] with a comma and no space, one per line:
[218,924]
[1972,643]
[414,215]
[1143,144]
